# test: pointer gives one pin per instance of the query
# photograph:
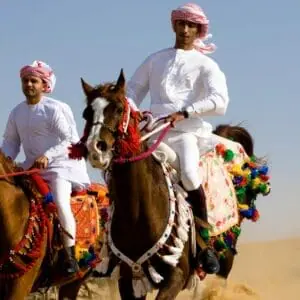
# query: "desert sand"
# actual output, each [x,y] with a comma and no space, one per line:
[264,270]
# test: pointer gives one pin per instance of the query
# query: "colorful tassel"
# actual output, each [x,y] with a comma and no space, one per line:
[178,243]
[182,234]
[155,276]
[171,260]
[102,267]
[115,274]
[147,284]
[174,250]
[139,288]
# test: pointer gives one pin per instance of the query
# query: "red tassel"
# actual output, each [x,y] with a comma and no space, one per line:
[255,215]
[78,151]
[20,267]
[50,208]
[130,144]
[34,254]
[41,185]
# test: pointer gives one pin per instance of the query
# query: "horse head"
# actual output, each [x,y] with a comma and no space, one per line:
[111,124]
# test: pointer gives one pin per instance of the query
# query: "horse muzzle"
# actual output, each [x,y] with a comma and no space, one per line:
[99,155]
[100,160]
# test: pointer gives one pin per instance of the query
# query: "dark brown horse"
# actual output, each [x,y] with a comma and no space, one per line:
[24,239]
[139,193]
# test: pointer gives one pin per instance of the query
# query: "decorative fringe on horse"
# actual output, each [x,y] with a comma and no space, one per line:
[141,284]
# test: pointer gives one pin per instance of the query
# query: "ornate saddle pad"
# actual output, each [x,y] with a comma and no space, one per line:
[222,203]
[86,209]
[221,199]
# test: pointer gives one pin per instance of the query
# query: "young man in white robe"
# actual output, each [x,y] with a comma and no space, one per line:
[185,85]
[45,128]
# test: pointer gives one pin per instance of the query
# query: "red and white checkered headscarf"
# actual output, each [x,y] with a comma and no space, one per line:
[41,70]
[193,13]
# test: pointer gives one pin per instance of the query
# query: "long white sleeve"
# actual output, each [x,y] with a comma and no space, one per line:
[63,129]
[11,139]
[216,101]
[138,85]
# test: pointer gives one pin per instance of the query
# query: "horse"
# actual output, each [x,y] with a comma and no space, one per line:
[145,247]
[26,235]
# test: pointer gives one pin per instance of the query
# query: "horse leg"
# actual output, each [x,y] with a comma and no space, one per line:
[126,290]
[20,288]
[226,264]
[173,285]
[70,290]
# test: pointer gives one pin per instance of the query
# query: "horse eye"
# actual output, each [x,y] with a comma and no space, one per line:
[88,113]
[119,110]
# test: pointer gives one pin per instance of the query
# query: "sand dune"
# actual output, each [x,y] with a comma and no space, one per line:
[266,271]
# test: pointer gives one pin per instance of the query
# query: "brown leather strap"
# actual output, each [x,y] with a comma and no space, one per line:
[201,243]
[201,224]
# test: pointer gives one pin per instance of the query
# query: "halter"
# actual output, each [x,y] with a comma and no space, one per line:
[124,130]
[109,128]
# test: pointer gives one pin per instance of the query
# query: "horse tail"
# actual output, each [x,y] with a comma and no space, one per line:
[238,134]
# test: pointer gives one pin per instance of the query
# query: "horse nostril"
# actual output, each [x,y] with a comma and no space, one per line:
[101,145]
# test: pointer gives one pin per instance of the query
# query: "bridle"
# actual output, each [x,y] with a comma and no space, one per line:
[113,131]
[79,150]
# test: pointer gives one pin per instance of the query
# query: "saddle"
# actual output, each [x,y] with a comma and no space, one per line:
[86,206]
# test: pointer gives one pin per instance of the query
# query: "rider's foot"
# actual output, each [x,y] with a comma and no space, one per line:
[209,262]
[70,264]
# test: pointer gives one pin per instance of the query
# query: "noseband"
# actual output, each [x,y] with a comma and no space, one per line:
[113,131]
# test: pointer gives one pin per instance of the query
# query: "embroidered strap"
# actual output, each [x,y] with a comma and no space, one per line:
[149,253]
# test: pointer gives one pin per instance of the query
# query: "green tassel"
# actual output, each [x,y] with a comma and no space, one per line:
[236,230]
[222,255]
[241,193]
[204,234]
[228,155]
[263,188]
[220,244]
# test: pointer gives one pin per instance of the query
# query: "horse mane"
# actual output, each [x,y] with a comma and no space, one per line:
[22,181]
[238,134]
[7,163]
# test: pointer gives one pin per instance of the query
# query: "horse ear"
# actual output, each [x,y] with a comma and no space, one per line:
[121,81]
[86,87]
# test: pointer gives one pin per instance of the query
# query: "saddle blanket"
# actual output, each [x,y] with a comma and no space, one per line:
[221,199]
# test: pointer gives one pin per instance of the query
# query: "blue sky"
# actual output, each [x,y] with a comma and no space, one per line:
[258,49]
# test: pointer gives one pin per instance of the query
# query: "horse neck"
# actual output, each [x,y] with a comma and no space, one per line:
[139,192]
[14,209]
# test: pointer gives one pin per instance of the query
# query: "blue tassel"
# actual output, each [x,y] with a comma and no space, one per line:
[263,170]
[48,198]
[247,213]
[237,180]
[254,173]
[228,241]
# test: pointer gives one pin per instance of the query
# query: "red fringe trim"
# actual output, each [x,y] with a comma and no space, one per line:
[129,144]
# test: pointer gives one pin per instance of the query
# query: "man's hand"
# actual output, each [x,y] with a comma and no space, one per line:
[41,162]
[175,117]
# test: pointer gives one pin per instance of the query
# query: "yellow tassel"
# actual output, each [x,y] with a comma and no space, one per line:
[236,170]
[243,206]
[256,182]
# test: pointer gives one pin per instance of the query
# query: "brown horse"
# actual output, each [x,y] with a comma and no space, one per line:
[140,196]
[24,228]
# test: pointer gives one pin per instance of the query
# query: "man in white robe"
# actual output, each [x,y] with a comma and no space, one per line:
[45,128]
[186,85]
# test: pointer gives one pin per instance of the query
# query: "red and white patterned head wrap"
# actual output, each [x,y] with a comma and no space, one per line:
[193,13]
[41,70]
